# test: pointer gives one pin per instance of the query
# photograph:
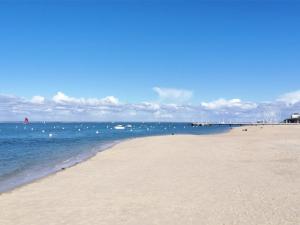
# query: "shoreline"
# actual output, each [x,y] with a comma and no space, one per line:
[113,144]
[62,169]
[245,176]
[98,151]
[117,142]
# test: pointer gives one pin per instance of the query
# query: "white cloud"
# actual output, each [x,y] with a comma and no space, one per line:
[66,108]
[172,94]
[61,98]
[38,99]
[232,103]
[110,100]
[146,106]
[162,115]
[290,98]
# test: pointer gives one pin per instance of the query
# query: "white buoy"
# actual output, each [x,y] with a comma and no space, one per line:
[79,130]
[43,131]
[50,135]
[97,132]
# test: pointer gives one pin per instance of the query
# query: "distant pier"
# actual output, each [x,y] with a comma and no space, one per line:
[204,124]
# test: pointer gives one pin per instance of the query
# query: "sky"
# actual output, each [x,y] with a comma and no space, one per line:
[149,60]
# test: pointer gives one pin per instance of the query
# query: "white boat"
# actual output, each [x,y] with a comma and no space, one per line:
[119,127]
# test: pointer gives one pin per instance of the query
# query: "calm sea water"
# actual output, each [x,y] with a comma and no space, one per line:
[29,152]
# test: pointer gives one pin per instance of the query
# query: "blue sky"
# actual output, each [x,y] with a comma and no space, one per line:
[194,52]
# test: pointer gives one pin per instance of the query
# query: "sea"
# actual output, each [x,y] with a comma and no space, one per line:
[31,151]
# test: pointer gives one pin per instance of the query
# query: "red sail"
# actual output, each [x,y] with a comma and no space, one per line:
[26,120]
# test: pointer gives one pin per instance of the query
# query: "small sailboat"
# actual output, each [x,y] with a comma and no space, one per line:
[26,120]
[119,127]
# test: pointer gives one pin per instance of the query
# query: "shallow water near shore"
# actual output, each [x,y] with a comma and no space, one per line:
[29,152]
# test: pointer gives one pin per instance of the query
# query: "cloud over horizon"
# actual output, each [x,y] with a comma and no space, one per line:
[61,98]
[290,98]
[62,107]
[232,103]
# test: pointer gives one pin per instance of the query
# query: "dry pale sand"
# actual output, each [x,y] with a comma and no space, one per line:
[238,178]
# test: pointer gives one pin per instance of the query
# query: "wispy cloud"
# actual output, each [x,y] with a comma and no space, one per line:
[290,98]
[38,99]
[173,94]
[62,107]
[61,98]
[232,103]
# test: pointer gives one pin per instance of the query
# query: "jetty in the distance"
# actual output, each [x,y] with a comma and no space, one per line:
[204,124]
[293,120]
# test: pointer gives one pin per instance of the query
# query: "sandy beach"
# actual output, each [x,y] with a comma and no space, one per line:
[241,177]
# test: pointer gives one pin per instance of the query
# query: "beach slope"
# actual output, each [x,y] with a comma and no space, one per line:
[241,177]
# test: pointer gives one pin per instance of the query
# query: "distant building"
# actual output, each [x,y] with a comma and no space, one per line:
[295,118]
